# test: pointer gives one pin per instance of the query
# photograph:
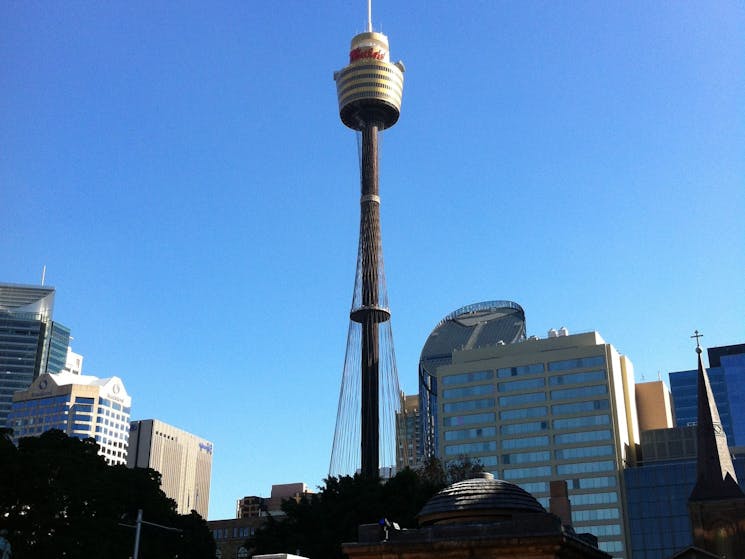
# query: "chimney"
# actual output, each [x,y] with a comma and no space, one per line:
[558,502]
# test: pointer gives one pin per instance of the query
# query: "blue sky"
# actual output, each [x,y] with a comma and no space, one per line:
[182,172]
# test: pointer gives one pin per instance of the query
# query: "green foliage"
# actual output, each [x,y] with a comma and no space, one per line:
[317,526]
[59,498]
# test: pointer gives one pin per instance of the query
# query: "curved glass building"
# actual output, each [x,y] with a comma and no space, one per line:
[481,324]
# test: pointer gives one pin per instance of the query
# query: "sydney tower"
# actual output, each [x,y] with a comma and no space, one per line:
[369,90]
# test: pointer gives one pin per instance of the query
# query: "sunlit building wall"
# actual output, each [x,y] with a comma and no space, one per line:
[560,408]
[82,406]
[184,461]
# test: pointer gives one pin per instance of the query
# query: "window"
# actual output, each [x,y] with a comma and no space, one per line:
[519,371]
[524,442]
[586,421]
[583,437]
[522,399]
[520,428]
[525,457]
[469,405]
[577,378]
[594,499]
[594,514]
[581,392]
[583,363]
[523,413]
[455,420]
[519,473]
[578,407]
[584,452]
[470,433]
[466,391]
[467,377]
[586,467]
[468,448]
[521,384]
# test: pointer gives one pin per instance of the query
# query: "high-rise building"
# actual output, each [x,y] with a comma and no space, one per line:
[408,426]
[481,324]
[654,406]
[726,374]
[183,460]
[369,91]
[533,411]
[31,344]
[82,406]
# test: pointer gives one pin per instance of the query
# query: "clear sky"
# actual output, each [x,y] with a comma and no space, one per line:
[181,170]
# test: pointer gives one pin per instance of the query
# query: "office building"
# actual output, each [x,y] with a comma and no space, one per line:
[81,406]
[533,411]
[481,324]
[73,362]
[726,374]
[654,406]
[183,460]
[408,425]
[31,343]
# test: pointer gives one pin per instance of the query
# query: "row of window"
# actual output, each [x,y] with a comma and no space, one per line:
[561,469]
[529,398]
[540,440]
[521,413]
[532,369]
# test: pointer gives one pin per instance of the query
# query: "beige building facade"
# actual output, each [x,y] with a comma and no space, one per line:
[654,406]
[82,406]
[558,408]
[184,461]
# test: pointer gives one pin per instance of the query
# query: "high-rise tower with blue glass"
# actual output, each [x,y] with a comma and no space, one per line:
[31,343]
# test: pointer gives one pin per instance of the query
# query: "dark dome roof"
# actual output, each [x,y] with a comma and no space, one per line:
[478,499]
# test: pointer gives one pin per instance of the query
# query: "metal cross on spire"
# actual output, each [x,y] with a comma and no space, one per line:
[697,336]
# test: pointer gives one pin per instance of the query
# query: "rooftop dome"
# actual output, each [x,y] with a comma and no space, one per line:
[478,499]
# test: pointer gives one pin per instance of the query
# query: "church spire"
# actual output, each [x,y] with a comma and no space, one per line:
[715,478]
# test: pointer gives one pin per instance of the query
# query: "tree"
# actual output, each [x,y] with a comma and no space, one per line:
[317,525]
[59,498]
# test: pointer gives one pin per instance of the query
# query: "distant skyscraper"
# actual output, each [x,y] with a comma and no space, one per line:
[408,428]
[73,362]
[560,408]
[654,406]
[81,406]
[183,460]
[31,344]
[726,374]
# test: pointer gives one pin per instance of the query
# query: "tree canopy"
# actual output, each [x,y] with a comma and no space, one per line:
[59,498]
[316,526]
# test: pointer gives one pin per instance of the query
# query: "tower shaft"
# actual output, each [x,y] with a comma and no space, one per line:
[370,249]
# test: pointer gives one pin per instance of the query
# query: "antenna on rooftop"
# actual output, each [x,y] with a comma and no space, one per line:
[369,16]
[43,274]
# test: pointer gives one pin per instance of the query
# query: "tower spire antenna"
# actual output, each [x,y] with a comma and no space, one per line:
[369,16]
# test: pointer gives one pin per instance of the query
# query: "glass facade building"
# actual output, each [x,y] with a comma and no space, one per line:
[727,377]
[657,492]
[31,344]
[560,408]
